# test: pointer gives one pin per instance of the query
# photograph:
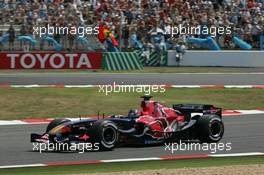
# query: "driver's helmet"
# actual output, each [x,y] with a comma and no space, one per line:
[133,113]
[145,103]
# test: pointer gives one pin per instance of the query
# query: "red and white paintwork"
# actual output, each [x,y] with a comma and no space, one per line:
[158,117]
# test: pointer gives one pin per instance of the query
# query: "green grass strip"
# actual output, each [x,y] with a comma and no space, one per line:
[17,103]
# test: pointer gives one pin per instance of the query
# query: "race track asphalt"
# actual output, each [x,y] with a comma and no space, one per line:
[245,133]
[138,78]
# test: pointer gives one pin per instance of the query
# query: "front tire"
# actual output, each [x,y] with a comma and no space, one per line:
[105,132]
[210,128]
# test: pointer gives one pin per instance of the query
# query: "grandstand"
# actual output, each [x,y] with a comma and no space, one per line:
[127,17]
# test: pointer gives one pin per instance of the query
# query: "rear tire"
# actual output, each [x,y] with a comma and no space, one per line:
[55,123]
[210,128]
[105,133]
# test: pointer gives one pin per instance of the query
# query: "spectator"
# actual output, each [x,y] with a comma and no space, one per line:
[23,32]
[1,45]
[71,38]
[12,36]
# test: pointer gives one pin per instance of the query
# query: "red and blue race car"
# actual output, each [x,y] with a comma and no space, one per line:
[154,123]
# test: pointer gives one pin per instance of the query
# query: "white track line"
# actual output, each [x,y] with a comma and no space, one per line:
[23,166]
[12,122]
[247,112]
[237,154]
[131,160]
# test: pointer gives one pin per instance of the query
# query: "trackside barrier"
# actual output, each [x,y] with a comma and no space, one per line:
[153,58]
[230,58]
[121,61]
[51,60]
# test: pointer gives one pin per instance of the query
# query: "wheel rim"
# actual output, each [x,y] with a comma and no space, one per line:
[109,135]
[216,129]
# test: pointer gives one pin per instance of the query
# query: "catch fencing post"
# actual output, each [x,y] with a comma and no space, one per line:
[261,42]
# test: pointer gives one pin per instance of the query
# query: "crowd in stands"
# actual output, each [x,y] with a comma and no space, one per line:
[140,17]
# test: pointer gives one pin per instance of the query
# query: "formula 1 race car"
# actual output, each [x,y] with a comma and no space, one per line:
[154,123]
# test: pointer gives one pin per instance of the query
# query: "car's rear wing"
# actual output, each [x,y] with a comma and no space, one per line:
[188,109]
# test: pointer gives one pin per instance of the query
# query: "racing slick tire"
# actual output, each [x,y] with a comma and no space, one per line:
[105,132]
[55,123]
[210,128]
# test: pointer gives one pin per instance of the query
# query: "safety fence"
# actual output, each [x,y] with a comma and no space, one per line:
[121,61]
[152,58]
[133,60]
